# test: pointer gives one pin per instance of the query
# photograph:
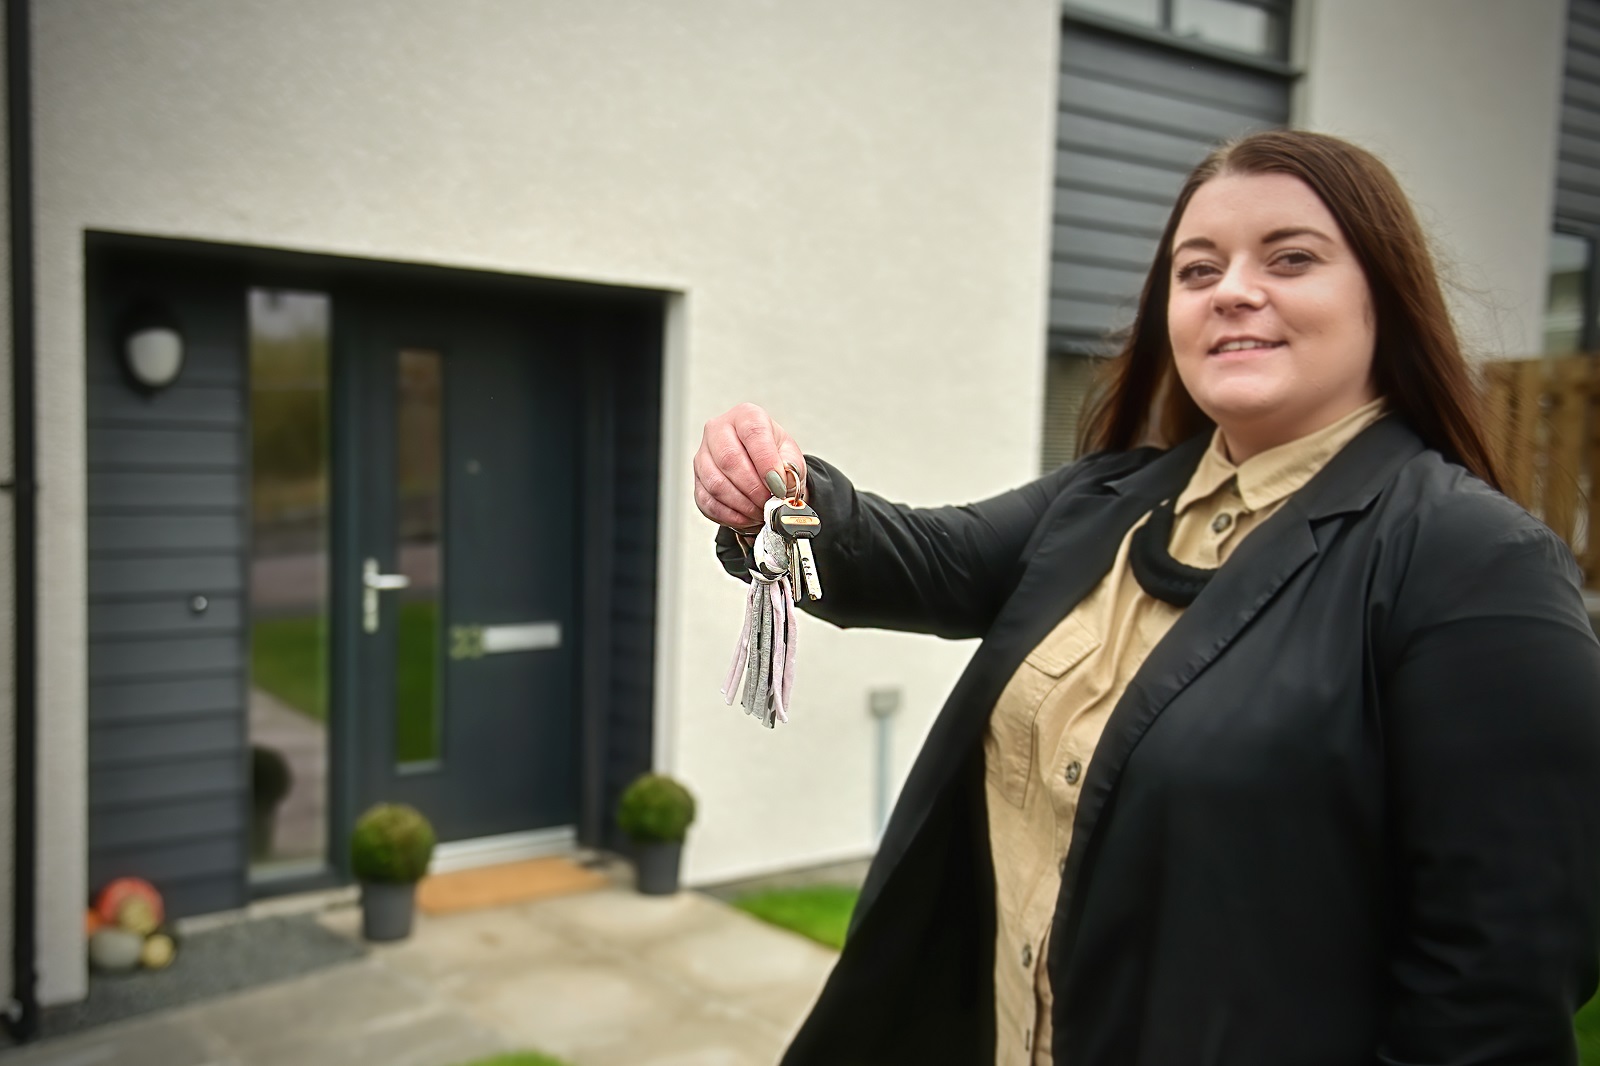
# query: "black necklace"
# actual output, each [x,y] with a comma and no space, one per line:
[1158,572]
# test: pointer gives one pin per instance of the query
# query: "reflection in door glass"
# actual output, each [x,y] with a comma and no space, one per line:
[288,580]
[419,464]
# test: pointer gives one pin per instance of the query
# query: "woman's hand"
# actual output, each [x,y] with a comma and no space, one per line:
[737,449]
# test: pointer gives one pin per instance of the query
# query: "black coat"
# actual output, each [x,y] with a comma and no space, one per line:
[1347,812]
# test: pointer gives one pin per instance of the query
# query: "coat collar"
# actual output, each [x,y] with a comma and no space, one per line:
[1348,482]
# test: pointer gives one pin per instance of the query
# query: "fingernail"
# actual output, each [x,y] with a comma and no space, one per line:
[775,483]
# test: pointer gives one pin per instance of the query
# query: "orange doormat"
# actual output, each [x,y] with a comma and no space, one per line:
[512,882]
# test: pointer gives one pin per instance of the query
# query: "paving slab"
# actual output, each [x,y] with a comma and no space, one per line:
[161,1041]
[606,978]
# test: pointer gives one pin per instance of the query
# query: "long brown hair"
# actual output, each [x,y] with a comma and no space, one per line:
[1417,361]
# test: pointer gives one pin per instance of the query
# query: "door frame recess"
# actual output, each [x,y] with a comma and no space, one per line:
[622,341]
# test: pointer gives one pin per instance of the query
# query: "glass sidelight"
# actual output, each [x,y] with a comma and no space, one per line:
[288,584]
[419,512]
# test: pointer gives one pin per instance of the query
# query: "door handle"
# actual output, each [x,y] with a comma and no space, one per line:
[372,583]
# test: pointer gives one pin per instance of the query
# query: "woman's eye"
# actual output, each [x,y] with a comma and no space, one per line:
[1194,272]
[1294,261]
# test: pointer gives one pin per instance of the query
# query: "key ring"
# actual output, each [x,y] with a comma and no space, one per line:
[788,485]
[795,493]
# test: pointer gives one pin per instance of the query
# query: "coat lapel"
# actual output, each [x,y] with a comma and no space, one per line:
[1253,575]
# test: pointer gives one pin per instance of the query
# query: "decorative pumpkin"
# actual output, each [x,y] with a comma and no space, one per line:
[137,916]
[115,950]
[109,902]
[158,952]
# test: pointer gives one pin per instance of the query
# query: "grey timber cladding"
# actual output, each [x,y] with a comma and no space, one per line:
[167,511]
[630,699]
[1578,158]
[1133,117]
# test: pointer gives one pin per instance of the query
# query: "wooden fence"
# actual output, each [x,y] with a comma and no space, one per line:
[1544,422]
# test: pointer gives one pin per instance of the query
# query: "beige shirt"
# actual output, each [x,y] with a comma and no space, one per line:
[1045,726]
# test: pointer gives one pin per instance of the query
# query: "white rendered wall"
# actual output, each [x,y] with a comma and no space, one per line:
[1461,99]
[851,199]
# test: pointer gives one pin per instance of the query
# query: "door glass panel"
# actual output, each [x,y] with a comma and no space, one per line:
[288,611]
[1242,26]
[419,466]
[1566,294]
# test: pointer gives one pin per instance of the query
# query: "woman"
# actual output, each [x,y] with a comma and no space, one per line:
[1282,746]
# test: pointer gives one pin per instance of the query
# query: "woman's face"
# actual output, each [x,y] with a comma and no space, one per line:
[1269,313]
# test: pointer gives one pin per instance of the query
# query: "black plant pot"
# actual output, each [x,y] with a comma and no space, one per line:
[386,910]
[657,865]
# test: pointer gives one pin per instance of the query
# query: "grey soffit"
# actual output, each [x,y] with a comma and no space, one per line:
[166,523]
[1133,117]
[1578,154]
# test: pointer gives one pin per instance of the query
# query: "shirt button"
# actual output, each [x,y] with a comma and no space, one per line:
[1027,955]
[1074,771]
[1221,522]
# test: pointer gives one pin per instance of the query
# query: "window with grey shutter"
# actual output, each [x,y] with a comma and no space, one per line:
[1572,292]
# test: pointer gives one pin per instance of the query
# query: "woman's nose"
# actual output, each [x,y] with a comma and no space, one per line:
[1237,289]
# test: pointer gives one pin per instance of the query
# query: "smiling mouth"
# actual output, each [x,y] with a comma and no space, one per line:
[1244,346]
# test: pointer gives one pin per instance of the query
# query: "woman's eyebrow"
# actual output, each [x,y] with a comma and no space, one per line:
[1290,232]
[1282,234]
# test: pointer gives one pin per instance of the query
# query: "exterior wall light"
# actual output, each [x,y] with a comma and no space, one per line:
[151,346]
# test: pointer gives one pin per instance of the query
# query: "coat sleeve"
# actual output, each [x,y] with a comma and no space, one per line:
[1491,725]
[941,570]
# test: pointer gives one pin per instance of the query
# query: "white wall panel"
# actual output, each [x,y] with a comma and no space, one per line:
[853,201]
[1460,98]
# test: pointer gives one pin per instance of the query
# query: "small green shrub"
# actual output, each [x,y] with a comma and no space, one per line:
[270,778]
[655,809]
[392,844]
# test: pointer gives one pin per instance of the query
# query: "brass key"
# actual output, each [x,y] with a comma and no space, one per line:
[799,525]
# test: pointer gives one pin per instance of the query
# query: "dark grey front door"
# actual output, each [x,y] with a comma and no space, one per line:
[465,576]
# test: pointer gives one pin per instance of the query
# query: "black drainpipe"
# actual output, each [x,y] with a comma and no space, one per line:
[22,1014]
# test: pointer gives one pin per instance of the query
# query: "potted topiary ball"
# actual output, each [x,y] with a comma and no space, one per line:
[656,812]
[270,781]
[389,852]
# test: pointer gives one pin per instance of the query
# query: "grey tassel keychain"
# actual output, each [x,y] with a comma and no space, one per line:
[780,561]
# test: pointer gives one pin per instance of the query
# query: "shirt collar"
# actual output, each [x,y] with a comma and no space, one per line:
[1276,473]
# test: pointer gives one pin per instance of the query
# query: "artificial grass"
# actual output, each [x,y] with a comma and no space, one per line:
[518,1058]
[1587,1024]
[821,912]
[288,659]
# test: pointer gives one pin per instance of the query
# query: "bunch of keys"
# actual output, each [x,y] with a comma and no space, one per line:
[781,565]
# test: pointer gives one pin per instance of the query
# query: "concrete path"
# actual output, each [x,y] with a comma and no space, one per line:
[607,978]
